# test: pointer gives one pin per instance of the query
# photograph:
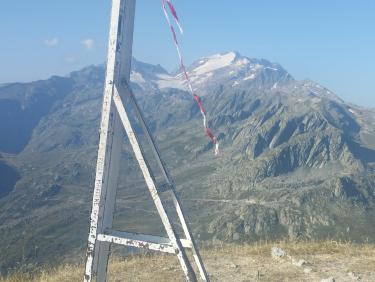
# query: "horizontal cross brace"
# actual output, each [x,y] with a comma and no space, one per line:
[137,243]
[151,242]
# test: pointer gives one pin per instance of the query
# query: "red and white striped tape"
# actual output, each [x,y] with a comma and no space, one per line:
[197,99]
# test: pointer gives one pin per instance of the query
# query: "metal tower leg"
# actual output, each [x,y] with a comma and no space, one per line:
[185,264]
[109,142]
[198,260]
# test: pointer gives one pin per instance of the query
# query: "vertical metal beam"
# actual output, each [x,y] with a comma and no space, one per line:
[198,260]
[125,28]
[150,181]
[126,40]
[110,140]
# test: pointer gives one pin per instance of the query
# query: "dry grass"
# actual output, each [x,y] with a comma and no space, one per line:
[234,263]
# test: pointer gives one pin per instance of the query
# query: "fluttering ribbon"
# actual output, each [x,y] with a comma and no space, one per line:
[165,4]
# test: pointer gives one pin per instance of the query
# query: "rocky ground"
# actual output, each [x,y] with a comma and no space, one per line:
[317,261]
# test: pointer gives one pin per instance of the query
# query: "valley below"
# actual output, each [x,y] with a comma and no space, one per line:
[296,162]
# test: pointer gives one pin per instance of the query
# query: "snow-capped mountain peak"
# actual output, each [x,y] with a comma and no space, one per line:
[230,68]
[214,62]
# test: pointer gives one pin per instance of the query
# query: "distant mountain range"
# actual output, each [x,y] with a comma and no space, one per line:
[296,161]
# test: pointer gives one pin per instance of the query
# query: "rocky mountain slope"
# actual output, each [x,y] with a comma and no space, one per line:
[296,161]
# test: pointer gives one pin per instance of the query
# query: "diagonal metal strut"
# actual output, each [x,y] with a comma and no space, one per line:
[126,91]
[181,255]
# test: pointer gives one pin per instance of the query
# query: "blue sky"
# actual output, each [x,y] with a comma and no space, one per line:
[331,42]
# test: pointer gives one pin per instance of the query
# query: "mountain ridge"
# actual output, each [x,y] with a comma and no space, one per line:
[296,161]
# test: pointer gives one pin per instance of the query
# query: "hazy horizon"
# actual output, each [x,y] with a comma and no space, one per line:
[330,43]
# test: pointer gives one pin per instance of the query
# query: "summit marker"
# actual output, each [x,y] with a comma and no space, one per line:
[114,120]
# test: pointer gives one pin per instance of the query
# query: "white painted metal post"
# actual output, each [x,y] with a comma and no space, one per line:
[122,66]
[110,139]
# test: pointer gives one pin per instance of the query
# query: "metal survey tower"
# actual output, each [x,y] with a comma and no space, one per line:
[113,120]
